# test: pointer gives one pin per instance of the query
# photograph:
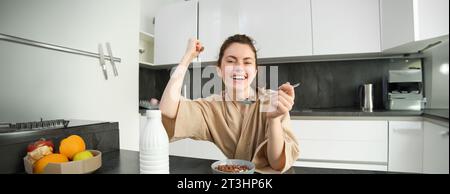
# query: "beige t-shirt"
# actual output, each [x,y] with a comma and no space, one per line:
[241,133]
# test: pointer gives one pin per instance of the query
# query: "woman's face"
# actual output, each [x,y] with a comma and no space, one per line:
[238,68]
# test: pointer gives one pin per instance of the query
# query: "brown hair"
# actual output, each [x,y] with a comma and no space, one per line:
[238,38]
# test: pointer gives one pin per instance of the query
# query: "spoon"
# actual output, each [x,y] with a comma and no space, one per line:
[248,101]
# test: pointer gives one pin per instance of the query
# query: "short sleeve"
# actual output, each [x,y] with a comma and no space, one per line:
[190,121]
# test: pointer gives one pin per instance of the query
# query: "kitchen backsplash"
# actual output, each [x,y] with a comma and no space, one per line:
[152,83]
[324,85]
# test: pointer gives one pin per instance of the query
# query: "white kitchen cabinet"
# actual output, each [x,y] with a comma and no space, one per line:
[411,25]
[218,19]
[345,26]
[279,28]
[342,143]
[405,146]
[436,149]
[175,24]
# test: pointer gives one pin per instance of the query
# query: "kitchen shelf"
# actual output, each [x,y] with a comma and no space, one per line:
[146,49]
[147,36]
[146,64]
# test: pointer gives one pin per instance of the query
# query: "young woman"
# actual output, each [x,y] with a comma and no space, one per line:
[240,130]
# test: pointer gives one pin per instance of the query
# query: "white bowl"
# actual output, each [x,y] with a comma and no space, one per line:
[249,164]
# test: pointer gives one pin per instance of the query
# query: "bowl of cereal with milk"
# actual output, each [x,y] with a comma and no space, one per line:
[233,166]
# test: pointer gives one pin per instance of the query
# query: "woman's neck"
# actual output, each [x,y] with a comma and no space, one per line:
[240,95]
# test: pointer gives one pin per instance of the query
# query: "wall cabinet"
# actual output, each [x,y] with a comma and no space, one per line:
[345,26]
[218,19]
[280,28]
[409,26]
[175,24]
[295,29]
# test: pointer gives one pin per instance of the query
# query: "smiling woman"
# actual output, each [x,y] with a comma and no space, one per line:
[249,132]
[238,66]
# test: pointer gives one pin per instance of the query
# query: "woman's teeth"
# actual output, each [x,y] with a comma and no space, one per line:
[239,77]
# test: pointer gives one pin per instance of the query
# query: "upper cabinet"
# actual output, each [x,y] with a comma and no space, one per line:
[279,28]
[411,25]
[174,25]
[218,19]
[297,29]
[345,26]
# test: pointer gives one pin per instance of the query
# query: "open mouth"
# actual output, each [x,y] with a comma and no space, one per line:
[239,77]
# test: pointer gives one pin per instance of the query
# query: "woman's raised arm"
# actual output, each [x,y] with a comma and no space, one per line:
[172,94]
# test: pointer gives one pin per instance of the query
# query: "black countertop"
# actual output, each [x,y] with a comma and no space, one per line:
[127,162]
[349,112]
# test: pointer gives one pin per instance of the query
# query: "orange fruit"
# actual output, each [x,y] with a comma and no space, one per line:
[40,165]
[72,145]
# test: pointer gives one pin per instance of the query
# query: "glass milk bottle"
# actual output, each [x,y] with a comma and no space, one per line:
[153,145]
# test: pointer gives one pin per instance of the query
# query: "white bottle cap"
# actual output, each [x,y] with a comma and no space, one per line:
[153,113]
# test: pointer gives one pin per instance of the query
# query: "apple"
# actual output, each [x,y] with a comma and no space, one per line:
[39,149]
[83,155]
[41,142]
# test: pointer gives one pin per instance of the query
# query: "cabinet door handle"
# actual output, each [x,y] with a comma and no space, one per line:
[444,133]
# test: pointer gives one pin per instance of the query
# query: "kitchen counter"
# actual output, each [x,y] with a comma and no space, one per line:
[436,113]
[431,113]
[354,112]
[127,162]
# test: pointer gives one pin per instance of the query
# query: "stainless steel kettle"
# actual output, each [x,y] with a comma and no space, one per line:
[366,97]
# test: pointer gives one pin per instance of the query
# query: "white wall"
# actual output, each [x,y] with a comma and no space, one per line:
[37,83]
[149,9]
[436,79]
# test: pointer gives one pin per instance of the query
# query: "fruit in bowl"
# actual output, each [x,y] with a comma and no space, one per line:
[39,149]
[233,166]
[40,165]
[72,145]
[84,155]
[73,158]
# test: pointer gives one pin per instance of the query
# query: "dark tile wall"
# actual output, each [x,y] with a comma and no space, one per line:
[334,84]
[152,83]
[324,85]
